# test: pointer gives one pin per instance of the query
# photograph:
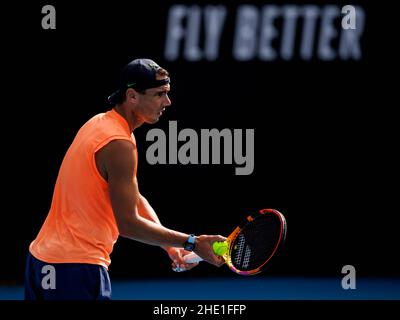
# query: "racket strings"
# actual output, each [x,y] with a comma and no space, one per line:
[243,252]
[256,242]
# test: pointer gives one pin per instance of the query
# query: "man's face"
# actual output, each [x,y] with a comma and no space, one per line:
[152,103]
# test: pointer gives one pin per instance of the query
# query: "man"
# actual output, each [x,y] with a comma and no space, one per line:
[96,198]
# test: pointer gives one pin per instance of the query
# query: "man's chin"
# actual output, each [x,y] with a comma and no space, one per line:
[152,121]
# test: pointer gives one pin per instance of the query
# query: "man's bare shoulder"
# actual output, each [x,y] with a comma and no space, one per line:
[119,145]
[116,156]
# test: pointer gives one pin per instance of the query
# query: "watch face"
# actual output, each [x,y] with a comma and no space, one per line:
[190,243]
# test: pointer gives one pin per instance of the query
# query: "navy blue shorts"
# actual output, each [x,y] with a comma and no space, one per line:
[65,281]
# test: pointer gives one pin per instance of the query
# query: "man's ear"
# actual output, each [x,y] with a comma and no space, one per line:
[130,94]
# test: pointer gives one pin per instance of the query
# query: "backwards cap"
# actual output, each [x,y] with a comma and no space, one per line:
[139,74]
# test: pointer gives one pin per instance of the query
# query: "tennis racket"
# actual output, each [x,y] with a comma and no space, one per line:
[252,244]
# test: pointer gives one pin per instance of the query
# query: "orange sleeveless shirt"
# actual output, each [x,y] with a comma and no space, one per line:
[80,226]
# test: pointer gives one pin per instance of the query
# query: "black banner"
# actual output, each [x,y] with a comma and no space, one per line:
[292,98]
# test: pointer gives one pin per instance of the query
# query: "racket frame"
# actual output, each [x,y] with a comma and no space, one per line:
[231,238]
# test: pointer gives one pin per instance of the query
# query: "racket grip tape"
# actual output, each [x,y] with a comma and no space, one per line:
[192,258]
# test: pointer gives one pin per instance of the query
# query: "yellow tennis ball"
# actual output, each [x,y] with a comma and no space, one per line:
[220,248]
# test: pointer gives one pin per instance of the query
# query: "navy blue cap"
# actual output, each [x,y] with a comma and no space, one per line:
[139,74]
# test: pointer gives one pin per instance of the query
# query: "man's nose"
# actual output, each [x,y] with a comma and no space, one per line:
[168,101]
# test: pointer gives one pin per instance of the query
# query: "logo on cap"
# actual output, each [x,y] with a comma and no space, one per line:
[153,65]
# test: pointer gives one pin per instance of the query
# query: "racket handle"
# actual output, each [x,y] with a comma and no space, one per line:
[192,258]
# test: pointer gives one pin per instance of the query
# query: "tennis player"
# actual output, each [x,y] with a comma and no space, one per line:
[96,199]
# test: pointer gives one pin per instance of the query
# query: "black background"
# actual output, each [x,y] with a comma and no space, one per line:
[324,137]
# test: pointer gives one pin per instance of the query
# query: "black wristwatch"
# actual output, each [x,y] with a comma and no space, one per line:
[190,243]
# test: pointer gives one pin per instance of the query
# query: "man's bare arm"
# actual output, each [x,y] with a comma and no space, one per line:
[118,160]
